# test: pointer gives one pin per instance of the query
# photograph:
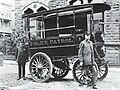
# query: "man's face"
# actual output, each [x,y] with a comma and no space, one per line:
[87,37]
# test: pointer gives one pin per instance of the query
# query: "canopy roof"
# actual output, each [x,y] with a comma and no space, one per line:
[96,7]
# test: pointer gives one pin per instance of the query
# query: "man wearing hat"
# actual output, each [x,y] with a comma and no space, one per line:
[21,57]
[86,54]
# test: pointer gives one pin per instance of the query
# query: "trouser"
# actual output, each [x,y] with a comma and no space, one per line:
[94,73]
[21,69]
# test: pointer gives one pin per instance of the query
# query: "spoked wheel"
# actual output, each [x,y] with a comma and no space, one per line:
[40,67]
[59,73]
[102,71]
[83,75]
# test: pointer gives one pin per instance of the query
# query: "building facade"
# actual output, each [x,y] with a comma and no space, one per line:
[5,19]
[111,22]
[112,32]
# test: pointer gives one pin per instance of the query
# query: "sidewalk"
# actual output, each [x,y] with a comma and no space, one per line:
[9,71]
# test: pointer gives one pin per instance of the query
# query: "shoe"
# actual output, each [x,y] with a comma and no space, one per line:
[94,87]
[18,78]
[24,78]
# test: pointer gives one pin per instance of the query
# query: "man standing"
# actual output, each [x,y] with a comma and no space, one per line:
[21,57]
[86,54]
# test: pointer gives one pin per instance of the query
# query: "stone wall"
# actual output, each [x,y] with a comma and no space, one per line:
[20,4]
[18,15]
[112,32]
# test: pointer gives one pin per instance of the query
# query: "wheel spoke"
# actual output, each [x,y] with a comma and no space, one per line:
[78,68]
[78,72]
[82,76]
[34,64]
[101,71]
[61,72]
[46,64]
[34,61]
[37,60]
[41,59]
[33,67]
[45,67]
[34,73]
[79,75]
[100,74]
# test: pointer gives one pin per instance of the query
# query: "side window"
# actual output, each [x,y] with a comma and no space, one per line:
[66,21]
[32,28]
[66,25]
[39,33]
[80,22]
[50,22]
[35,28]
[51,26]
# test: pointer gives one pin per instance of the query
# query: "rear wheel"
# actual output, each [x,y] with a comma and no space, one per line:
[59,73]
[40,67]
[83,75]
[102,71]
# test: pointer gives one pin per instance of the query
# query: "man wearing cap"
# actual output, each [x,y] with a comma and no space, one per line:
[21,57]
[86,54]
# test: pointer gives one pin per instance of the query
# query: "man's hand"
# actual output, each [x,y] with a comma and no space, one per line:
[81,63]
[27,60]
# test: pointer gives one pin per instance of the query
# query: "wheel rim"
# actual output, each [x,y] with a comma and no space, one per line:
[40,67]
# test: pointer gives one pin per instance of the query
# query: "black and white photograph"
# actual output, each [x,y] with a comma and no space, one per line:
[59,44]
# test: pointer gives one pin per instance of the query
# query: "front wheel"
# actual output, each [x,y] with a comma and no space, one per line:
[40,67]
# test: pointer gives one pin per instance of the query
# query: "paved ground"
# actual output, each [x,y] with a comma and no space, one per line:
[8,76]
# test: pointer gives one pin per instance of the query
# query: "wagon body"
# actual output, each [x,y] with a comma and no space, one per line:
[54,37]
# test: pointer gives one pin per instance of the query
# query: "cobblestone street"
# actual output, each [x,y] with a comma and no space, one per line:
[8,80]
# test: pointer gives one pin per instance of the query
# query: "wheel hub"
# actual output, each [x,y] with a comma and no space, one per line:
[39,66]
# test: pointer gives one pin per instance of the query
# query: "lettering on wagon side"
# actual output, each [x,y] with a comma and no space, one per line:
[50,42]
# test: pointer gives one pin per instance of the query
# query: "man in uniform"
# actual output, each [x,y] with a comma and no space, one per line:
[86,54]
[21,57]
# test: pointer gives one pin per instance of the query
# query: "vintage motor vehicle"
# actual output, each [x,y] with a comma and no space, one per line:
[54,38]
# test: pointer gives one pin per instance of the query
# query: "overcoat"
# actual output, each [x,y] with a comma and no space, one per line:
[86,52]
[21,54]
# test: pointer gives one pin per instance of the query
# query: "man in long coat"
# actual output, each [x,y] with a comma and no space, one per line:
[86,54]
[21,57]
